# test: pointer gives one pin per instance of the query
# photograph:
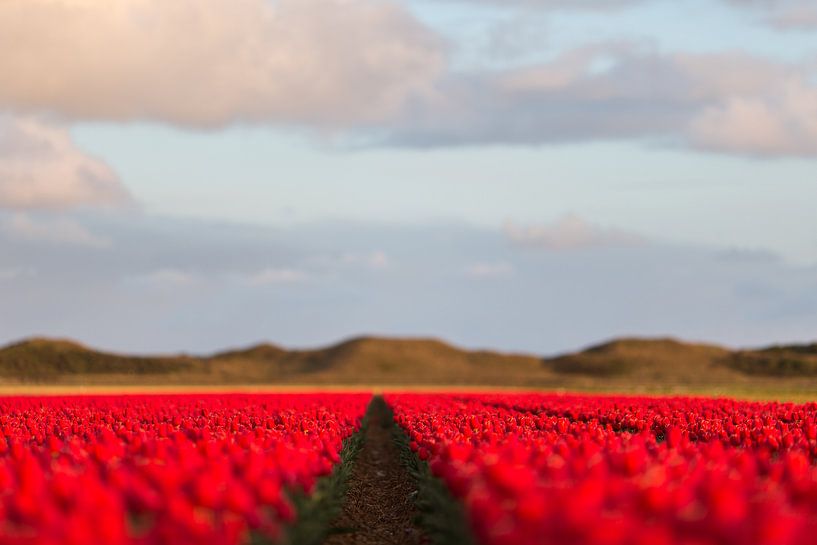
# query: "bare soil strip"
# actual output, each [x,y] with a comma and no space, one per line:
[379,506]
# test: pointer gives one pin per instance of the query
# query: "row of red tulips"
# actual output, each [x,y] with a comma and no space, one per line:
[163,469]
[534,469]
[773,425]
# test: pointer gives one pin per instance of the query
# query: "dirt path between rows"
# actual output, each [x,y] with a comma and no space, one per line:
[379,506]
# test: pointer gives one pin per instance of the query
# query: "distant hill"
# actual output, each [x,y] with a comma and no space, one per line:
[777,361]
[369,360]
[622,364]
[49,359]
[655,359]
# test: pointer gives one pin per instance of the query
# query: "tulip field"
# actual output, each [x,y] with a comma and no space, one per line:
[533,469]
[520,468]
[164,469]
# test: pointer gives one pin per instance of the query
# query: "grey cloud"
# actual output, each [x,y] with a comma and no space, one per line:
[569,233]
[803,18]
[560,4]
[783,14]
[11,273]
[172,285]
[731,102]
[748,255]
[490,270]
[274,276]
[51,230]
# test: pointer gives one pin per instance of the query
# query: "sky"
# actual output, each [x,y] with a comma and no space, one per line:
[524,175]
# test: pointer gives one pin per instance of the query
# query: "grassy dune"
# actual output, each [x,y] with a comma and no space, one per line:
[625,365]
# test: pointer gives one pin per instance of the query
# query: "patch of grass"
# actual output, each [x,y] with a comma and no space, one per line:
[776,362]
[593,366]
[44,360]
[442,517]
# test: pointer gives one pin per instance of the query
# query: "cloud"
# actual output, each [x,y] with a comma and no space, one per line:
[372,260]
[13,273]
[370,72]
[176,283]
[784,14]
[53,230]
[569,233]
[780,123]
[801,17]
[180,277]
[41,168]
[275,276]
[495,269]
[748,255]
[203,63]
[168,277]
[728,102]
[564,4]
[610,90]
[313,268]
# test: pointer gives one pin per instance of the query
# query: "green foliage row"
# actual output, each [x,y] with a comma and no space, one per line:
[316,511]
[442,517]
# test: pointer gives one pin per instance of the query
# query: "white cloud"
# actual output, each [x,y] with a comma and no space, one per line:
[569,233]
[181,277]
[371,70]
[318,268]
[781,123]
[372,260]
[496,269]
[54,230]
[168,277]
[41,168]
[273,276]
[214,62]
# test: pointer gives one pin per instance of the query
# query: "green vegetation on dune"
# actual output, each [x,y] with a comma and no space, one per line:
[316,510]
[441,516]
[777,361]
[44,359]
[377,360]
[654,359]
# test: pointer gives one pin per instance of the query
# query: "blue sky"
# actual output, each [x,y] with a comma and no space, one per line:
[532,175]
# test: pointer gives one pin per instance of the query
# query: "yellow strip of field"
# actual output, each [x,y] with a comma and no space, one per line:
[97,389]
